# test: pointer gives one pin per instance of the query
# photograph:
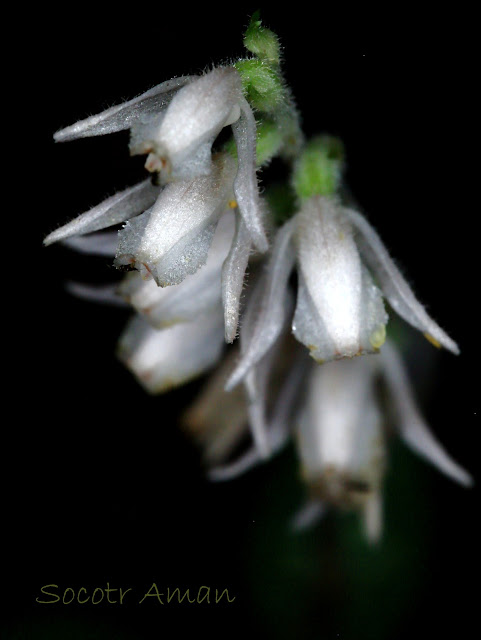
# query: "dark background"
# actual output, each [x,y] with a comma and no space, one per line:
[99,483]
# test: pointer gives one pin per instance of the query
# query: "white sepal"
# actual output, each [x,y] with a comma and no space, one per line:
[245,185]
[124,115]
[393,285]
[118,208]
[411,425]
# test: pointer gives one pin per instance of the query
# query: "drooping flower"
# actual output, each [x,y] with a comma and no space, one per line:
[339,310]
[341,436]
[177,333]
[161,359]
[172,238]
[176,123]
[198,293]
[190,229]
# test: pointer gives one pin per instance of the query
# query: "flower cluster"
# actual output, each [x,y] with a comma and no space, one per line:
[189,233]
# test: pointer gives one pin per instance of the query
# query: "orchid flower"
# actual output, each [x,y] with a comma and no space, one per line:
[176,123]
[339,310]
[161,359]
[221,278]
[341,437]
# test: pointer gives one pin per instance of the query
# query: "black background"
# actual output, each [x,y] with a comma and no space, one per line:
[99,483]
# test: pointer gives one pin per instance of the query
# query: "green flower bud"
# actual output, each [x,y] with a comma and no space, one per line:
[262,84]
[319,167]
[262,42]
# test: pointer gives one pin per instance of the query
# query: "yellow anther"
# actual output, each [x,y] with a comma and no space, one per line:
[232,204]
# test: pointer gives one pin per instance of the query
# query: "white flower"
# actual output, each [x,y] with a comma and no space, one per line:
[172,238]
[341,434]
[161,359]
[177,123]
[215,285]
[339,310]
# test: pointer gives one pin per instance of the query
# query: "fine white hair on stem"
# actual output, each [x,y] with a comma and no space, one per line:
[118,208]
[412,428]
[394,286]
[122,116]
[245,184]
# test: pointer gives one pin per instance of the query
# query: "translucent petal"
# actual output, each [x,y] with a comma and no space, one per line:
[340,312]
[340,432]
[277,431]
[217,420]
[172,240]
[163,359]
[394,286]
[272,300]
[118,208]
[97,244]
[245,185]
[258,377]
[233,272]
[412,427]
[122,116]
[105,294]
[256,382]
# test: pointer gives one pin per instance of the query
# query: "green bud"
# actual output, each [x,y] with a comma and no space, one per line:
[270,140]
[319,167]
[262,42]
[262,84]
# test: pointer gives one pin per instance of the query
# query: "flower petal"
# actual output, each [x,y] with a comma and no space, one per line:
[217,420]
[412,427]
[192,121]
[233,272]
[104,294]
[394,286]
[118,208]
[340,312]
[245,185]
[277,431]
[97,244]
[272,299]
[122,116]
[341,443]
[199,293]
[166,358]
[172,239]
